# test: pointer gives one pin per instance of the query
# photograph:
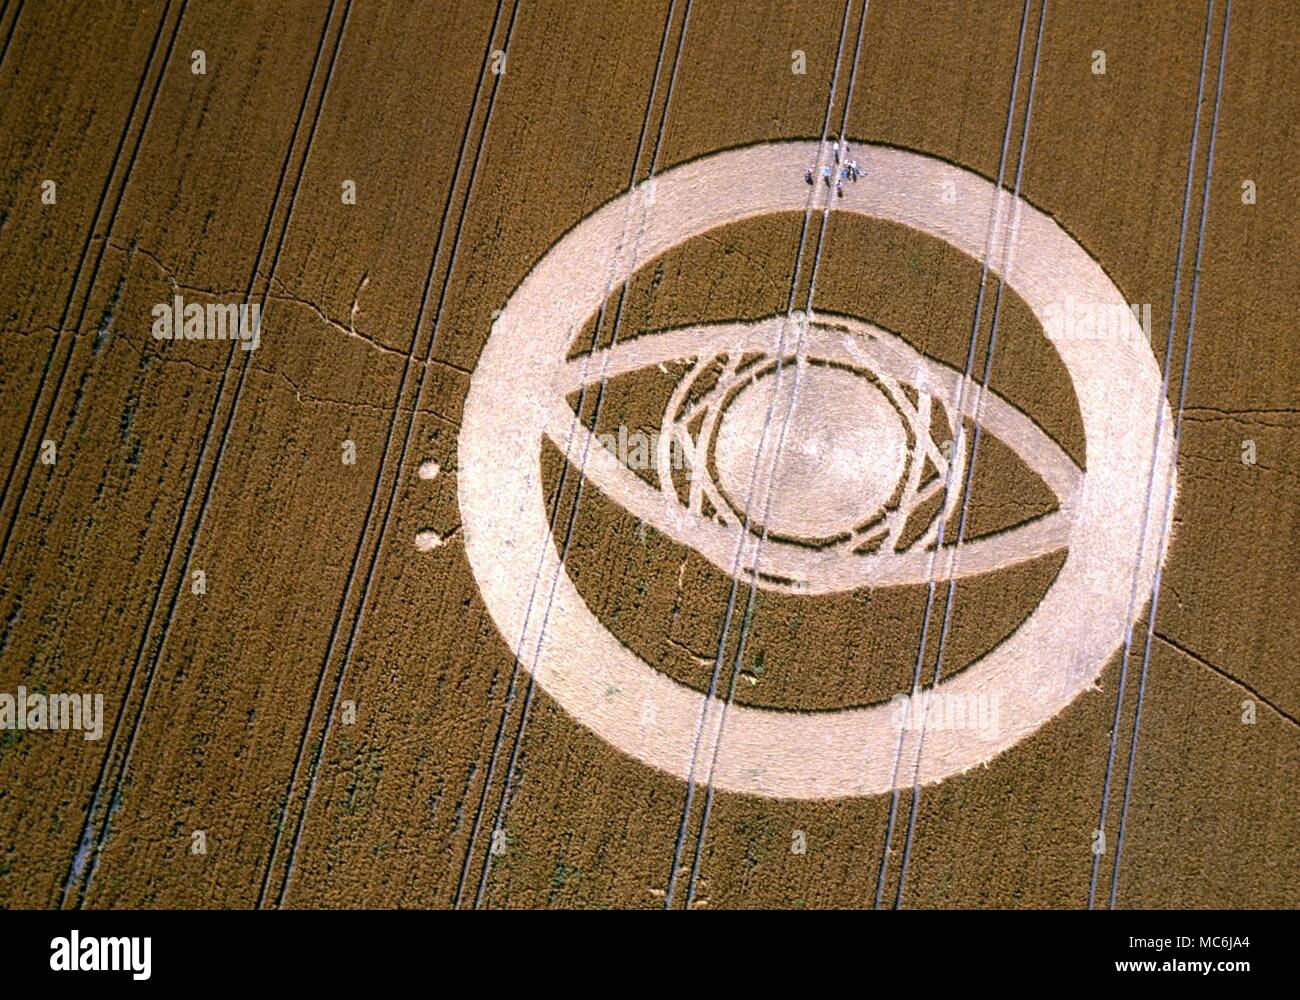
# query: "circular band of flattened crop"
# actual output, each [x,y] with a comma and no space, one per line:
[1059,650]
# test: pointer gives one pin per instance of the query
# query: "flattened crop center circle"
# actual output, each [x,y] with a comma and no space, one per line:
[1056,654]
[844,450]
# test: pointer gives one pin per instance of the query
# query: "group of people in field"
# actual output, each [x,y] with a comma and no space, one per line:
[846,169]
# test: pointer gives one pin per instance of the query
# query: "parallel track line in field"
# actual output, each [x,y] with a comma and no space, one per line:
[9,35]
[512,687]
[923,640]
[85,850]
[746,620]
[62,328]
[743,526]
[1178,429]
[1121,686]
[950,596]
[313,768]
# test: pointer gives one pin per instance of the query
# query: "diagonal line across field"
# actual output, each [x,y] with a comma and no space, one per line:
[91,846]
[63,329]
[13,25]
[1151,474]
[517,741]
[779,355]
[313,770]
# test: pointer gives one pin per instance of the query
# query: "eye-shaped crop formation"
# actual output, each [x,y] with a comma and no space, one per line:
[864,458]
[847,504]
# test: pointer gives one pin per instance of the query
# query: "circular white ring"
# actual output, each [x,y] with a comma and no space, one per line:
[1058,651]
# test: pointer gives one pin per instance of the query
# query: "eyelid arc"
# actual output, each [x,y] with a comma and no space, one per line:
[859,345]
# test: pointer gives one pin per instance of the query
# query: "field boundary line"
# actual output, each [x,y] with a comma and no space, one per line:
[87,851]
[1287,717]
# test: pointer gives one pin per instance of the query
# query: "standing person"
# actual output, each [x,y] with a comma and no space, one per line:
[807,175]
[835,148]
[826,175]
[839,187]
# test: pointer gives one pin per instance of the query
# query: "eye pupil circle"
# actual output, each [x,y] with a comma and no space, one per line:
[844,451]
